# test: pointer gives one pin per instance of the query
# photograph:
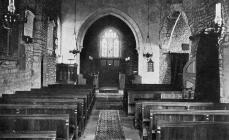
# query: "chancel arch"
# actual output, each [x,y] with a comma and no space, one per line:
[114,12]
[107,44]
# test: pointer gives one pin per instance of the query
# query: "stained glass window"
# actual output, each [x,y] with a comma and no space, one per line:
[110,44]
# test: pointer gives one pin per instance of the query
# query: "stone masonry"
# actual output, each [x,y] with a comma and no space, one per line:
[25,73]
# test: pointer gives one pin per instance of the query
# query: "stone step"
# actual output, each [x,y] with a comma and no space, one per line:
[109,94]
[109,107]
[113,96]
[108,91]
[109,97]
[109,104]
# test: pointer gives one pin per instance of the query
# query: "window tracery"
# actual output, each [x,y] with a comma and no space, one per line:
[110,44]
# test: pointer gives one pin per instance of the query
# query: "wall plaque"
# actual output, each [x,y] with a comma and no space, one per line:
[28,25]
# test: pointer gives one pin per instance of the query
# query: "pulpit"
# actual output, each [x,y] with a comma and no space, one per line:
[66,73]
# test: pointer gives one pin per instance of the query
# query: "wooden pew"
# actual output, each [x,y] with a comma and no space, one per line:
[67,87]
[142,109]
[131,96]
[220,116]
[36,122]
[77,88]
[47,96]
[87,96]
[75,123]
[57,95]
[89,99]
[151,87]
[41,100]
[33,135]
[70,86]
[90,92]
[7,98]
[148,92]
[198,130]
[80,99]
[64,90]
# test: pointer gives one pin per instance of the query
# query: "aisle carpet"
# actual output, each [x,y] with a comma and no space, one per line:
[109,126]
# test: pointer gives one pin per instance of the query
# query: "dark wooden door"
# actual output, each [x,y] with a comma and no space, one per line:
[178,61]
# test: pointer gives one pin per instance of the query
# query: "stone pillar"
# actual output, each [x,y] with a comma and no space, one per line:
[224,67]
[39,44]
[224,56]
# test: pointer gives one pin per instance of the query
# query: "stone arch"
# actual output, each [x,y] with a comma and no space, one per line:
[180,8]
[114,12]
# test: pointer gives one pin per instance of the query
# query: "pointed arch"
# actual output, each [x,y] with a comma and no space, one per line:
[114,12]
[180,8]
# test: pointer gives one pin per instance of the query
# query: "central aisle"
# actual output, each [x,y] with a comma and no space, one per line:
[108,120]
[109,126]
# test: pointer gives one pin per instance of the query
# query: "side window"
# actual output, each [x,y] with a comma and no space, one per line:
[150,66]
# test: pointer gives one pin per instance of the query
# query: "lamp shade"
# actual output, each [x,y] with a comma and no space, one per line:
[147,50]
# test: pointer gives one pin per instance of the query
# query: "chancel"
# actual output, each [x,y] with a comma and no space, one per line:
[114,69]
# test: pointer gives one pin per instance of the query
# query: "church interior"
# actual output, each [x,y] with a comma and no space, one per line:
[114,69]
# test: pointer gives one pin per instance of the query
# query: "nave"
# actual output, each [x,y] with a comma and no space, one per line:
[81,112]
[166,60]
[108,119]
[64,112]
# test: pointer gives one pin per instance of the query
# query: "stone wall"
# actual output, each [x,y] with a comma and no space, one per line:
[200,13]
[174,32]
[49,71]
[25,72]
[13,79]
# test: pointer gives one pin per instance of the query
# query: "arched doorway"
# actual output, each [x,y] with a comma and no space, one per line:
[109,48]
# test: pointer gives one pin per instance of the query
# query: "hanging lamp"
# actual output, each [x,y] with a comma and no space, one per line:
[76,50]
[10,18]
[147,52]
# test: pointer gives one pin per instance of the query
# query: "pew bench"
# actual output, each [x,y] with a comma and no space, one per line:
[198,130]
[33,135]
[70,86]
[142,109]
[148,91]
[67,88]
[89,100]
[82,100]
[10,98]
[173,116]
[54,95]
[87,96]
[132,96]
[76,121]
[36,122]
[46,102]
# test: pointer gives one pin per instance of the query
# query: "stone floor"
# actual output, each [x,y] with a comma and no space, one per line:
[109,104]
